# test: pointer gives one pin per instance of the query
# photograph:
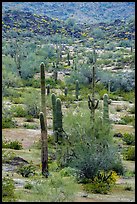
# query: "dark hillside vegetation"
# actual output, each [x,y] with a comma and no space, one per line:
[68,108]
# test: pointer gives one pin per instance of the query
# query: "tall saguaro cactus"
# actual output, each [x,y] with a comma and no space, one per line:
[59,116]
[53,99]
[77,89]
[43,122]
[92,103]
[109,87]
[105,108]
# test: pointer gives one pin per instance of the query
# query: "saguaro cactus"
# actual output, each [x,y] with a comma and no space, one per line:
[48,89]
[68,58]
[109,87]
[55,71]
[77,89]
[59,114]
[105,108]
[53,98]
[43,122]
[66,91]
[92,102]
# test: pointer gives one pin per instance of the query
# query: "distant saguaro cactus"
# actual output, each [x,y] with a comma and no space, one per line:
[68,58]
[77,89]
[43,122]
[53,98]
[105,108]
[48,89]
[92,104]
[59,120]
[66,91]
[109,87]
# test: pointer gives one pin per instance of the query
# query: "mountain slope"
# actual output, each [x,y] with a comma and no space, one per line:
[91,12]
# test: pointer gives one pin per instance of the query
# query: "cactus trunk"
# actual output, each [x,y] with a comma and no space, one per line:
[43,122]
[77,89]
[105,108]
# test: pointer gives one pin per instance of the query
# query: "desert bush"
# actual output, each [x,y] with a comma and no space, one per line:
[7,156]
[132,109]
[54,189]
[102,182]
[129,138]
[7,119]
[91,149]
[8,190]
[12,144]
[32,102]
[18,100]
[127,119]
[28,185]
[29,118]
[129,153]
[30,126]
[18,111]
[119,108]
[26,170]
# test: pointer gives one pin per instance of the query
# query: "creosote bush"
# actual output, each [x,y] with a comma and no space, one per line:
[12,144]
[8,190]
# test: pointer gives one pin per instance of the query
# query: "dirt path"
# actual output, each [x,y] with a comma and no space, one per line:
[26,136]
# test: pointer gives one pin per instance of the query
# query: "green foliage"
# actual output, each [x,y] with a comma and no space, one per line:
[68,171]
[7,155]
[129,153]
[127,119]
[32,102]
[26,170]
[8,190]
[54,189]
[30,126]
[102,182]
[7,119]
[132,109]
[28,185]
[12,144]
[129,138]
[87,154]
[18,111]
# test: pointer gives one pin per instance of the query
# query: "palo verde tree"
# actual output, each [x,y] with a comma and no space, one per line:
[43,122]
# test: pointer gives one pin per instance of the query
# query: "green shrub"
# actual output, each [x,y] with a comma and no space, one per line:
[29,118]
[7,156]
[12,145]
[102,182]
[18,111]
[7,119]
[68,171]
[18,100]
[32,102]
[54,189]
[87,154]
[129,153]
[28,185]
[30,126]
[128,119]
[132,109]
[8,190]
[27,170]
[129,138]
